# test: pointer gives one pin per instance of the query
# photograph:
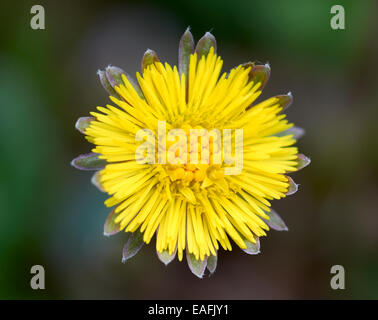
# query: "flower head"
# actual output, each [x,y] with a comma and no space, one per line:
[186,154]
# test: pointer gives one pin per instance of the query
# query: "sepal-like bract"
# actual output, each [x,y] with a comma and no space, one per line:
[293,187]
[197,267]
[165,257]
[186,48]
[275,221]
[83,123]
[295,131]
[303,161]
[89,161]
[110,227]
[204,44]
[149,57]
[212,262]
[132,246]
[260,74]
[252,248]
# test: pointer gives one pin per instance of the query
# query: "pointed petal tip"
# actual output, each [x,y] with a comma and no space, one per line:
[95,180]
[165,257]
[82,123]
[110,226]
[88,162]
[275,221]
[72,163]
[293,187]
[114,75]
[290,99]
[186,47]
[103,76]
[113,70]
[303,161]
[133,245]
[285,228]
[296,132]
[149,51]
[149,57]
[197,267]
[285,100]
[252,248]
[115,78]
[204,44]
[211,264]
[260,73]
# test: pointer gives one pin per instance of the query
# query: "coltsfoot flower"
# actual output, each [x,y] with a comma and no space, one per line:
[191,207]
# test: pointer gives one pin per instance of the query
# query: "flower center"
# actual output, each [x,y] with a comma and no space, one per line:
[193,155]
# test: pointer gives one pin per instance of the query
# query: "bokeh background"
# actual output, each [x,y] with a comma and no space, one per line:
[51,215]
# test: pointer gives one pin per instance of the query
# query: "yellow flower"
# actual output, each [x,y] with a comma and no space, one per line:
[192,208]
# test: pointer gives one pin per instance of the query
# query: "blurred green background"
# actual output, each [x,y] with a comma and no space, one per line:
[51,215]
